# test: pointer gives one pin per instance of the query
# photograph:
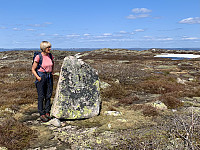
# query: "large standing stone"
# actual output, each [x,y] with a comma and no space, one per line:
[78,91]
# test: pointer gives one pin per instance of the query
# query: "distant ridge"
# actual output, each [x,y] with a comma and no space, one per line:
[90,49]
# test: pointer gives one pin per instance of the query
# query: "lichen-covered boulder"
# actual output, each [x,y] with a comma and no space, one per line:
[78,91]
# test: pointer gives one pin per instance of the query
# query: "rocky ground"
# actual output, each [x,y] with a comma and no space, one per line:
[147,103]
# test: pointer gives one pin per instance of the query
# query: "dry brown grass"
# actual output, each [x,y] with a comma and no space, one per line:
[147,110]
[127,101]
[18,93]
[160,85]
[14,135]
[116,91]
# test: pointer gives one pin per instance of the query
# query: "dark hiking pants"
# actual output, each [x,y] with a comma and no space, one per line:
[44,90]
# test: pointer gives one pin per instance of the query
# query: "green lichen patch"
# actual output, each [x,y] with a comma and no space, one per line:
[129,119]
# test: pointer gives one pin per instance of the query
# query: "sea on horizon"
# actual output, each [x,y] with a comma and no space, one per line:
[90,49]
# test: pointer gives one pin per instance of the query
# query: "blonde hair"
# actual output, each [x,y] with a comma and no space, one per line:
[44,45]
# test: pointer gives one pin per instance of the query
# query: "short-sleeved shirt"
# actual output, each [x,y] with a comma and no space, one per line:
[47,63]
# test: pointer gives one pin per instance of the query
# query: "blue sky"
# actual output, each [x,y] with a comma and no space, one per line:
[100,23]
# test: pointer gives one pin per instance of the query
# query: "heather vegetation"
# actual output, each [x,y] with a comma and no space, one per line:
[158,101]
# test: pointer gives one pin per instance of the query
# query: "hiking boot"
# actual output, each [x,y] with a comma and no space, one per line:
[47,115]
[43,118]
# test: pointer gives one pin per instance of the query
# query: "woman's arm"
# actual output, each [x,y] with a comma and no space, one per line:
[34,66]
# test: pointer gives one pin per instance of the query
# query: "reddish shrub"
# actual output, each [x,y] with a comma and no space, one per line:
[149,110]
[170,101]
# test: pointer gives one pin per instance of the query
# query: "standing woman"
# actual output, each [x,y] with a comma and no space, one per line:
[44,80]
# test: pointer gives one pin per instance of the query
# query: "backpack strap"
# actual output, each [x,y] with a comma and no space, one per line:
[50,55]
[40,60]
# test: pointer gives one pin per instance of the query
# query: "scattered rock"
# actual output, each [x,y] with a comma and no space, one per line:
[159,105]
[109,125]
[104,85]
[123,61]
[195,102]
[3,148]
[197,99]
[181,81]
[55,122]
[117,81]
[56,74]
[193,109]
[122,120]
[112,113]
[166,67]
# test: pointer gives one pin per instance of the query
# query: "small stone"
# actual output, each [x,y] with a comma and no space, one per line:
[181,81]
[117,81]
[174,110]
[122,120]
[109,125]
[190,79]
[159,105]
[197,99]
[113,113]
[104,85]
[3,148]
[56,74]
[55,122]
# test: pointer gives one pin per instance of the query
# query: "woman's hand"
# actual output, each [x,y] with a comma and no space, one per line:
[39,79]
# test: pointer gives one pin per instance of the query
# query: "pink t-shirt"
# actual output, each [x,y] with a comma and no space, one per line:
[46,63]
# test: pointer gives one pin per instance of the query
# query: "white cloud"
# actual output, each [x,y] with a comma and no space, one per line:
[42,34]
[122,40]
[86,34]
[150,38]
[73,35]
[40,25]
[141,10]
[48,23]
[16,29]
[30,29]
[190,38]
[138,16]
[146,36]
[123,32]
[139,30]
[165,39]
[195,20]
[16,42]
[98,40]
[112,40]
[107,34]
[36,25]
